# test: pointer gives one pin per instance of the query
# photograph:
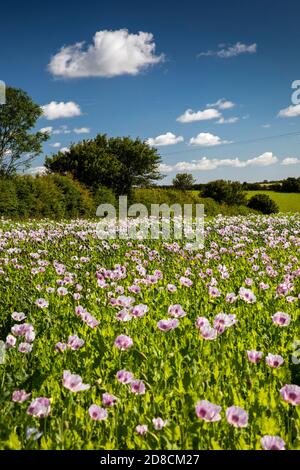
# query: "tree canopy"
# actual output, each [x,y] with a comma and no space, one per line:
[184,181]
[117,163]
[18,147]
[230,192]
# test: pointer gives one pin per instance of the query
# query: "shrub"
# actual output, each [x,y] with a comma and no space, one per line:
[263,203]
[230,192]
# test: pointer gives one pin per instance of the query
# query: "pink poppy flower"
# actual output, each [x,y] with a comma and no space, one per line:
[124,316]
[272,443]
[25,348]
[42,303]
[159,424]
[167,325]
[274,361]
[75,343]
[186,282]
[39,408]
[247,295]
[139,311]
[124,377]
[171,288]
[208,411]
[123,342]
[141,429]
[74,382]
[237,417]
[202,322]
[60,347]
[19,396]
[291,394]
[176,311]
[254,356]
[281,319]
[18,316]
[109,400]
[209,333]
[138,387]
[97,413]
[10,341]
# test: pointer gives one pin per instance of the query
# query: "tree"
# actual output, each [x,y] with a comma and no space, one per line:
[230,192]
[18,147]
[116,163]
[263,203]
[291,185]
[184,181]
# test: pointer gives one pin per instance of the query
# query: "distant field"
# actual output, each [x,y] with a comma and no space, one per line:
[287,202]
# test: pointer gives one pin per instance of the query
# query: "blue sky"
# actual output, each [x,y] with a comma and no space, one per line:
[191,55]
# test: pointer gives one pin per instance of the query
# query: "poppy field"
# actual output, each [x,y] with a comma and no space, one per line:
[148,344]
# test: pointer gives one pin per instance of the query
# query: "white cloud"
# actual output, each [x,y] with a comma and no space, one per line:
[266,126]
[290,111]
[192,116]
[165,139]
[56,145]
[112,53]
[205,139]
[226,51]
[61,110]
[221,104]
[206,164]
[230,120]
[64,149]
[290,161]
[47,130]
[163,168]
[62,130]
[82,130]
[37,170]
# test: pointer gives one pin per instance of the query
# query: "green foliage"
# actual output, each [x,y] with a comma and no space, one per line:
[184,181]
[230,192]
[103,195]
[18,147]
[52,196]
[116,163]
[263,203]
[290,185]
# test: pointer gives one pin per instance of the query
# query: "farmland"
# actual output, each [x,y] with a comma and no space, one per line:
[149,345]
[287,202]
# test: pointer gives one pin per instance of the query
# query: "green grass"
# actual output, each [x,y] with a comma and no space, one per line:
[287,202]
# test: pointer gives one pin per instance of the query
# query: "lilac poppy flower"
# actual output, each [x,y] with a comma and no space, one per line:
[254,356]
[124,377]
[19,396]
[123,315]
[281,319]
[237,417]
[74,382]
[274,361]
[171,288]
[91,321]
[214,292]
[109,400]
[176,311]
[208,411]
[167,325]
[18,316]
[10,341]
[39,408]
[139,311]
[75,343]
[209,333]
[42,303]
[186,282]
[291,394]
[138,387]
[60,347]
[97,414]
[230,298]
[123,342]
[272,443]
[247,295]
[159,424]
[202,322]
[25,348]
[141,429]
